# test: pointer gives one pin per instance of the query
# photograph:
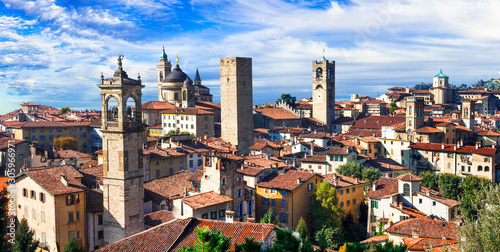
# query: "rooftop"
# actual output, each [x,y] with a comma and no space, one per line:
[425,228]
[207,199]
[288,181]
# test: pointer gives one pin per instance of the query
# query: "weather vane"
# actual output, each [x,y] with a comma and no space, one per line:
[177,59]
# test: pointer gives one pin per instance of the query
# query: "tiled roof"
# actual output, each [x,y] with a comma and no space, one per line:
[385,187]
[380,238]
[94,200]
[314,159]
[89,164]
[92,175]
[317,135]
[412,212]
[369,139]
[54,124]
[158,217]
[308,145]
[71,154]
[197,175]
[169,186]
[205,200]
[258,146]
[264,161]
[250,170]
[276,113]
[344,151]
[385,164]
[188,111]
[5,142]
[410,177]
[289,130]
[451,148]
[50,178]
[340,181]
[488,133]
[425,228]
[436,196]
[262,131]
[462,128]
[287,181]
[157,105]
[424,244]
[428,130]
[376,122]
[207,104]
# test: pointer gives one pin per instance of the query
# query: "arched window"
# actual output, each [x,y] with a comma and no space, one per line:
[466,112]
[329,73]
[406,190]
[479,168]
[319,73]
[410,109]
[184,95]
[131,109]
[112,109]
[486,168]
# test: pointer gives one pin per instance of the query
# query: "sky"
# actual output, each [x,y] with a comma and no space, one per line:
[53,52]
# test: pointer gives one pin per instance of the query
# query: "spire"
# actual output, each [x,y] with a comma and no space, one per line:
[441,71]
[164,55]
[197,76]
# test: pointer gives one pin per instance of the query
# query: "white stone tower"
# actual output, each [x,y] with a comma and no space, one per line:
[414,115]
[187,90]
[163,67]
[237,102]
[468,113]
[323,86]
[122,141]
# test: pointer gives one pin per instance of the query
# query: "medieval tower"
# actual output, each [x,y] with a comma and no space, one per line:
[123,186]
[164,67]
[236,102]
[414,115]
[323,86]
[468,111]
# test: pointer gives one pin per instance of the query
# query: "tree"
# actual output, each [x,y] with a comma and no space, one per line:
[24,238]
[4,201]
[333,236]
[285,242]
[352,247]
[208,241]
[64,110]
[248,246]
[322,242]
[288,99]
[380,230]
[270,218]
[430,180]
[393,106]
[353,232]
[351,169]
[72,246]
[471,187]
[302,230]
[388,247]
[481,233]
[369,175]
[65,143]
[396,174]
[450,185]
[326,209]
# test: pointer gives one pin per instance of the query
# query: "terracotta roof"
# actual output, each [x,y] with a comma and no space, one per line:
[250,170]
[158,217]
[50,178]
[94,200]
[424,244]
[340,181]
[308,145]
[5,142]
[262,131]
[264,161]
[385,164]
[425,228]
[436,196]
[385,187]
[344,151]
[207,104]
[376,122]
[289,130]
[276,113]
[92,175]
[197,175]
[410,177]
[169,186]
[451,148]
[412,212]
[207,199]
[318,135]
[428,130]
[287,181]
[258,146]
[54,124]
[188,111]
[461,128]
[369,139]
[157,105]
[488,133]
[380,238]
[71,154]
[314,159]
[29,104]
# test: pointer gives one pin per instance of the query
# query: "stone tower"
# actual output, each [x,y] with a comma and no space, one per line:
[197,79]
[236,102]
[440,80]
[187,91]
[323,86]
[414,114]
[122,141]
[164,67]
[468,111]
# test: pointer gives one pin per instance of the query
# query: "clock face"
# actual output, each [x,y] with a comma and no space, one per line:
[319,96]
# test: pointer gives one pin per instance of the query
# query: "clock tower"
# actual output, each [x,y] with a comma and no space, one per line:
[323,86]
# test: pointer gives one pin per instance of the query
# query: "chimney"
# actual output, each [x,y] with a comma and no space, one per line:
[414,233]
[298,180]
[356,180]
[461,142]
[428,193]
[374,185]
[185,191]
[229,216]
[493,145]
[312,147]
[400,205]
[477,145]
[428,141]
[64,180]
[442,146]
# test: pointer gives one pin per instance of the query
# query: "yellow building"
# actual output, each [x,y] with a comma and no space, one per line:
[52,199]
[350,192]
[289,195]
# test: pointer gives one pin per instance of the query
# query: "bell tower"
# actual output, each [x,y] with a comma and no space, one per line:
[414,115]
[323,86]
[163,67]
[188,94]
[468,111]
[122,141]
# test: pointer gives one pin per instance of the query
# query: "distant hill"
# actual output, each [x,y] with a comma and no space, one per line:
[491,84]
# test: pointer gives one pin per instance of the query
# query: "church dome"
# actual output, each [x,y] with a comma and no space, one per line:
[177,75]
[188,82]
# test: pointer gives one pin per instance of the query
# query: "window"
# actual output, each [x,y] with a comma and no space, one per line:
[310,186]
[265,201]
[213,215]
[42,197]
[42,137]
[273,191]
[42,216]
[171,171]
[284,203]
[273,202]
[171,160]
[204,216]
[486,168]
[463,168]
[100,235]
[99,219]
[222,181]
[468,169]
[310,200]
[33,214]
[71,217]
[77,215]
[32,130]
[341,192]
[353,189]
[25,192]
[347,190]
[283,218]
[238,193]
[26,211]
[51,137]
[479,168]
[70,200]
[353,201]
[222,213]
[181,160]
[374,204]
[433,203]
[43,240]
[419,201]
[486,159]
[341,204]
[406,190]
[240,209]
[283,192]
[157,173]
[348,203]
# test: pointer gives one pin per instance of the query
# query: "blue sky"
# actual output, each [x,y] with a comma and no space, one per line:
[53,52]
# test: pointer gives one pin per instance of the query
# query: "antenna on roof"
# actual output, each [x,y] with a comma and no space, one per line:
[323,53]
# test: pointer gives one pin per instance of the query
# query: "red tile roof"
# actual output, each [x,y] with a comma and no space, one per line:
[158,217]
[157,105]
[488,133]
[377,239]
[250,170]
[313,159]
[424,244]
[5,142]
[385,187]
[92,174]
[451,148]
[169,186]
[428,130]
[410,177]
[425,228]
[207,199]
[436,196]
[340,181]
[344,151]
[71,154]
[50,178]
[94,200]
[188,111]
[276,113]
[287,181]
[385,164]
